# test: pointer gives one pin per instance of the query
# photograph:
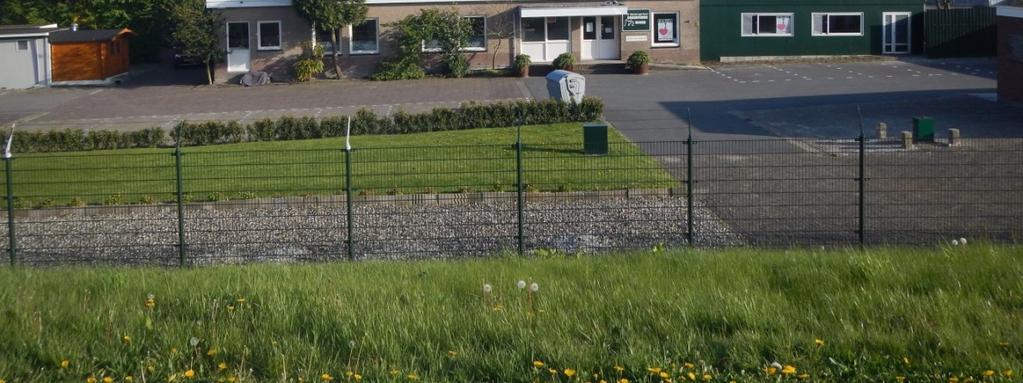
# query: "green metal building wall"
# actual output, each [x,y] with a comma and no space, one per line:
[721,28]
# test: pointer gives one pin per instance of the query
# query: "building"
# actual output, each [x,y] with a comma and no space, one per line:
[25,55]
[89,57]
[736,30]
[1010,52]
[267,35]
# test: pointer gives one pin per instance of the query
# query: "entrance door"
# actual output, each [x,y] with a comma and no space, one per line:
[238,53]
[600,38]
[897,32]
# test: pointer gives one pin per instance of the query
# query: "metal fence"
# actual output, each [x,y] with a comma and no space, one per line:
[203,205]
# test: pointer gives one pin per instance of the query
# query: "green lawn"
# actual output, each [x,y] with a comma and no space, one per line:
[923,314]
[473,160]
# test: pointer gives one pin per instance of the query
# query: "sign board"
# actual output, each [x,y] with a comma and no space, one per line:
[637,20]
[634,38]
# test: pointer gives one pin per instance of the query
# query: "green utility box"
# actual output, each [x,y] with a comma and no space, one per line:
[923,129]
[595,139]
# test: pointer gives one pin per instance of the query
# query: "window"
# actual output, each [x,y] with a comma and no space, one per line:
[665,30]
[269,35]
[838,24]
[478,38]
[534,29]
[22,45]
[323,40]
[767,24]
[365,38]
[557,28]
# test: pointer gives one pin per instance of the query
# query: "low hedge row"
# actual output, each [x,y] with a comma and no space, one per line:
[468,116]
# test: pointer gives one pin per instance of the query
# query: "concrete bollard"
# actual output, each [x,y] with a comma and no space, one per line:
[882,131]
[907,139]
[953,137]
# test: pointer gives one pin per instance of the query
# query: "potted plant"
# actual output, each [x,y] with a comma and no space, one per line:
[564,61]
[639,62]
[521,65]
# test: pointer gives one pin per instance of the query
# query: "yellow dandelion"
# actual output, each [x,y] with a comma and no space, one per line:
[358,378]
[108,379]
[537,364]
[222,366]
[788,370]
[1003,344]
[241,301]
[1007,373]
[90,380]
[348,374]
[803,376]
[2,380]
[905,359]
[413,376]
[452,353]
[212,352]
[189,374]
[618,368]
[395,372]
[665,375]
[818,342]
[126,339]
[771,370]
[623,380]
[150,302]
[64,364]
[552,371]
[654,370]
[691,376]
[326,377]
[129,379]
[569,372]
[900,378]
[989,373]
[707,377]
[688,365]
[953,379]
[230,308]
[232,379]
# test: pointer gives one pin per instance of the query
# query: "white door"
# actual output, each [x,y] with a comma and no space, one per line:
[238,53]
[600,38]
[897,32]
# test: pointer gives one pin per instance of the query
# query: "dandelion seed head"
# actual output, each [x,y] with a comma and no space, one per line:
[534,287]
[520,284]
[955,242]
[487,288]
[962,241]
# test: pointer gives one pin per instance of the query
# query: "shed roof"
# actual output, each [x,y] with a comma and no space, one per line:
[27,30]
[81,36]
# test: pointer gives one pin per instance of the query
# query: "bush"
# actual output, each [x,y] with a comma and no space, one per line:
[469,116]
[522,62]
[638,58]
[564,61]
[310,64]
[458,65]
[400,68]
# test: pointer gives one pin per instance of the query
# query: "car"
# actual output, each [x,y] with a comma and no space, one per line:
[184,60]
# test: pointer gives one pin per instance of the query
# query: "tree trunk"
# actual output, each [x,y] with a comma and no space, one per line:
[209,73]
[493,58]
[334,54]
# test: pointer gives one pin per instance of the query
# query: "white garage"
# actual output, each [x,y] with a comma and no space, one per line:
[25,55]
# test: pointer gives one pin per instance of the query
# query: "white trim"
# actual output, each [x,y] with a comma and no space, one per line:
[909,32]
[259,37]
[8,37]
[653,30]
[602,10]
[1009,11]
[742,26]
[486,41]
[223,4]
[351,35]
[227,44]
[814,15]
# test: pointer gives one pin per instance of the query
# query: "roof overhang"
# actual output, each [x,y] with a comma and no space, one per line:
[222,4]
[1010,11]
[21,31]
[576,9]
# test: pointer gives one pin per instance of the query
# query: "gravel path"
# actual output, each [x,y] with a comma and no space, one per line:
[256,231]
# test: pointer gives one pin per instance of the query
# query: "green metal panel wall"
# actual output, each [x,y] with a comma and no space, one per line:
[721,28]
[961,32]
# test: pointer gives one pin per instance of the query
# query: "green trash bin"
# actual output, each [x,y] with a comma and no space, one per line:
[595,139]
[923,129]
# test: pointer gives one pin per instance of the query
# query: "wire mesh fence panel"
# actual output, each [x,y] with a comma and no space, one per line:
[778,192]
[624,199]
[94,208]
[434,201]
[937,192]
[279,206]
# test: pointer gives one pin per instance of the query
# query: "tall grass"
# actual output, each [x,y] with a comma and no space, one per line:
[921,314]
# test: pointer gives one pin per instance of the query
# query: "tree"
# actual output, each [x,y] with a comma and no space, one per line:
[445,31]
[196,30]
[332,15]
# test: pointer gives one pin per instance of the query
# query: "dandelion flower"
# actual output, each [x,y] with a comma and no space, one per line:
[232,379]
[348,374]
[129,379]
[64,364]
[989,373]
[487,288]
[212,352]
[623,380]
[654,370]
[395,372]
[326,377]
[413,376]
[222,366]
[108,379]
[955,242]
[452,353]
[537,364]
[688,365]
[818,342]
[771,370]
[707,377]
[534,287]
[230,308]
[691,376]
[552,371]
[90,380]
[150,301]
[905,360]
[1007,373]
[126,339]
[189,374]
[788,370]
[900,379]
[240,300]
[569,372]
[803,376]
[962,241]
[665,375]
[953,379]
[358,378]
[520,284]
[618,368]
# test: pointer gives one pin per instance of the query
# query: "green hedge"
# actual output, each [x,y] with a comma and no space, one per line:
[364,122]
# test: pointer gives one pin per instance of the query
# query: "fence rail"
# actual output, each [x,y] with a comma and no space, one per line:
[201,206]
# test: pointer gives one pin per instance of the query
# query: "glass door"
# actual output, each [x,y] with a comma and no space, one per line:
[897,32]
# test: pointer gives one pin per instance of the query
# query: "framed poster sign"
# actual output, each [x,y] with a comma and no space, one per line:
[637,20]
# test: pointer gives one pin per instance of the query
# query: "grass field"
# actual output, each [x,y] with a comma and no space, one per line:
[893,315]
[437,162]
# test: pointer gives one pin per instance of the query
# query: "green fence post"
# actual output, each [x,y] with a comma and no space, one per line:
[862,181]
[181,196]
[519,189]
[690,220]
[350,213]
[12,240]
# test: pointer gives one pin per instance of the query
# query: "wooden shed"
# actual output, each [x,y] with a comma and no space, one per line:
[89,56]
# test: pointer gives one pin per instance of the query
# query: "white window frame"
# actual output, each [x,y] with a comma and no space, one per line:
[486,42]
[815,15]
[742,19]
[259,37]
[316,42]
[17,46]
[653,30]
[351,39]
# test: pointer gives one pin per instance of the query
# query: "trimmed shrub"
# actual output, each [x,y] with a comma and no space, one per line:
[70,140]
[564,61]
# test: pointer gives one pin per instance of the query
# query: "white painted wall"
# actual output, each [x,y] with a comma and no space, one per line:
[24,69]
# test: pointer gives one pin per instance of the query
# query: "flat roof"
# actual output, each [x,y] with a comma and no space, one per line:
[1010,9]
[80,36]
[27,30]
